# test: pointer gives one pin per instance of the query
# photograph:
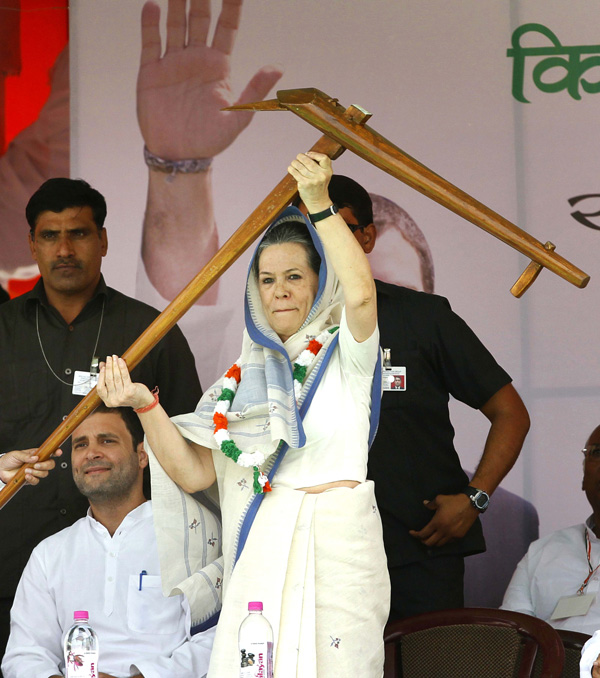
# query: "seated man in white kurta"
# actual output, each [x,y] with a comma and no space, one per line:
[107,563]
[559,578]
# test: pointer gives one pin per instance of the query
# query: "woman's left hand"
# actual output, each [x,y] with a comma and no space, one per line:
[116,388]
[312,172]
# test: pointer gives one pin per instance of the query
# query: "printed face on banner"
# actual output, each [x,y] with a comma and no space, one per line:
[396,261]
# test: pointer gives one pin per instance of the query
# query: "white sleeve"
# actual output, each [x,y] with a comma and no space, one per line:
[589,654]
[35,644]
[518,594]
[358,358]
[189,660]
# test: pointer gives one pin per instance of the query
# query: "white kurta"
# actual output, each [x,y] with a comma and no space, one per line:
[84,568]
[553,567]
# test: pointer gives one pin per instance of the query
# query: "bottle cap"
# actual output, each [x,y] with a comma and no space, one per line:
[255,606]
[81,614]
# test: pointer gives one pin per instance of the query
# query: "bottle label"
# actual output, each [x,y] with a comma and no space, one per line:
[256,660]
[82,664]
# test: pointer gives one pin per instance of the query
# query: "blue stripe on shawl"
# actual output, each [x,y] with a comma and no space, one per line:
[375,401]
[205,625]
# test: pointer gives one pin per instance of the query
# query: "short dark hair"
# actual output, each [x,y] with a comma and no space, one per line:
[130,419]
[60,193]
[289,231]
[346,192]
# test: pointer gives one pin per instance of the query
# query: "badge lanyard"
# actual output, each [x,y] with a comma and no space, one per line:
[591,570]
[94,363]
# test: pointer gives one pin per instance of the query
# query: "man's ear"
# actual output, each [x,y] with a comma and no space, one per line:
[104,241]
[369,236]
[142,455]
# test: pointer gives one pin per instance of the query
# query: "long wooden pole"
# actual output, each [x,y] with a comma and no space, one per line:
[327,115]
[238,243]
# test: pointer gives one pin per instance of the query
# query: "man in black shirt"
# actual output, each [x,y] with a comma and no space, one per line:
[428,507]
[50,342]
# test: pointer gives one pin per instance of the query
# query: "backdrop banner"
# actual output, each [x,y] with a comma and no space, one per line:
[500,98]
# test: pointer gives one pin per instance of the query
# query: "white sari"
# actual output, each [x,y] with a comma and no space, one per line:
[316,561]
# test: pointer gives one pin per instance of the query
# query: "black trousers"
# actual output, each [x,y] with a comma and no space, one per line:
[433,584]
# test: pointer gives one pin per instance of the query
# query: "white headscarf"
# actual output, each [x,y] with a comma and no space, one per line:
[264,410]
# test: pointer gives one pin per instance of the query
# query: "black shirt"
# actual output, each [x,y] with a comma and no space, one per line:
[33,401]
[413,456]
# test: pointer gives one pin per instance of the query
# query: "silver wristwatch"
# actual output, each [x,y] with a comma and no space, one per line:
[479,498]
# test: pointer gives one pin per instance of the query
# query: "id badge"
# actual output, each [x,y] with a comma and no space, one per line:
[84,382]
[394,378]
[573,606]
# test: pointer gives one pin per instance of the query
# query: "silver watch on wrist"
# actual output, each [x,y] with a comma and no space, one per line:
[479,498]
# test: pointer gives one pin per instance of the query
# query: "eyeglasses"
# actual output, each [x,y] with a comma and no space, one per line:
[355,227]
[592,452]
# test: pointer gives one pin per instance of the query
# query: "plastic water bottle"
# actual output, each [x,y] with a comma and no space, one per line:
[81,648]
[255,641]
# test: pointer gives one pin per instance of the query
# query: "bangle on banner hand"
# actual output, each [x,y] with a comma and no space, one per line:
[173,167]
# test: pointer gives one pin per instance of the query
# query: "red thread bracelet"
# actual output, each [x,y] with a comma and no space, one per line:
[152,405]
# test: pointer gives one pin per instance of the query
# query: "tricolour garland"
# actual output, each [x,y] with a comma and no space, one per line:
[230,384]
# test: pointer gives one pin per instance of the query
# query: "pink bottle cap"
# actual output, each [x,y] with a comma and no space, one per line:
[81,614]
[255,606]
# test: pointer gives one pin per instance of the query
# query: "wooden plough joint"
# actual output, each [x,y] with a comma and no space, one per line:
[529,275]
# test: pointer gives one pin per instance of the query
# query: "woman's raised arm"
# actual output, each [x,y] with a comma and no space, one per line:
[312,171]
[188,464]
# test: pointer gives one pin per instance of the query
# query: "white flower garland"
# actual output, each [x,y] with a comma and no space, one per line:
[230,385]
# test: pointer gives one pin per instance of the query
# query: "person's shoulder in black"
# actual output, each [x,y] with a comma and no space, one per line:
[409,317]
[395,293]
[426,323]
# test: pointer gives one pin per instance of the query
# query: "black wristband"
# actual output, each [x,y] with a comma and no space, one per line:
[330,211]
